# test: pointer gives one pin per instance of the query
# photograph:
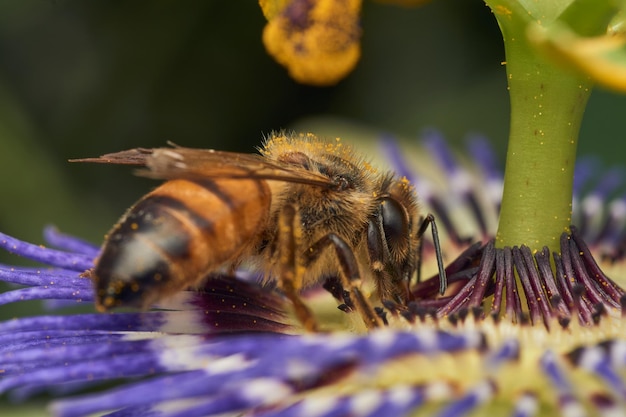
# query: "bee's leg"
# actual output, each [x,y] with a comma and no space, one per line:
[378,251]
[350,274]
[426,221]
[290,278]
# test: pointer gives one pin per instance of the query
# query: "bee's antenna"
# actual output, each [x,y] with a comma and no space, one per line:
[443,280]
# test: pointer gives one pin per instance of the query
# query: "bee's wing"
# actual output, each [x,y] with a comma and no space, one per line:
[137,156]
[172,163]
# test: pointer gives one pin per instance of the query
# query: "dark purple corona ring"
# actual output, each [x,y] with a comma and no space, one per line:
[578,290]
[517,333]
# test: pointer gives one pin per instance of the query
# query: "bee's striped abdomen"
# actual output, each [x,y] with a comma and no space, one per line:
[176,234]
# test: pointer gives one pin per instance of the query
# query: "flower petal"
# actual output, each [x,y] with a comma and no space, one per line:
[67,260]
[55,238]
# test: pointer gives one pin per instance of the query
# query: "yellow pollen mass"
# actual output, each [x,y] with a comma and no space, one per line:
[318,43]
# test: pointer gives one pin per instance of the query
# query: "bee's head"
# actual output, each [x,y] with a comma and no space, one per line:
[393,240]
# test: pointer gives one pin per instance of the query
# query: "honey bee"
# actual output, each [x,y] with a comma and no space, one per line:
[301,210]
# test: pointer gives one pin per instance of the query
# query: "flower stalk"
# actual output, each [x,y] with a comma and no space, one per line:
[547,106]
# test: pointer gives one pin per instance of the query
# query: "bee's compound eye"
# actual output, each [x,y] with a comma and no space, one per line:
[395,222]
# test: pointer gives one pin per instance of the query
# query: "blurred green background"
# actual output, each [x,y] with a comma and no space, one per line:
[82,78]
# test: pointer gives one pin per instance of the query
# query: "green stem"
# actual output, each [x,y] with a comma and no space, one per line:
[547,105]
